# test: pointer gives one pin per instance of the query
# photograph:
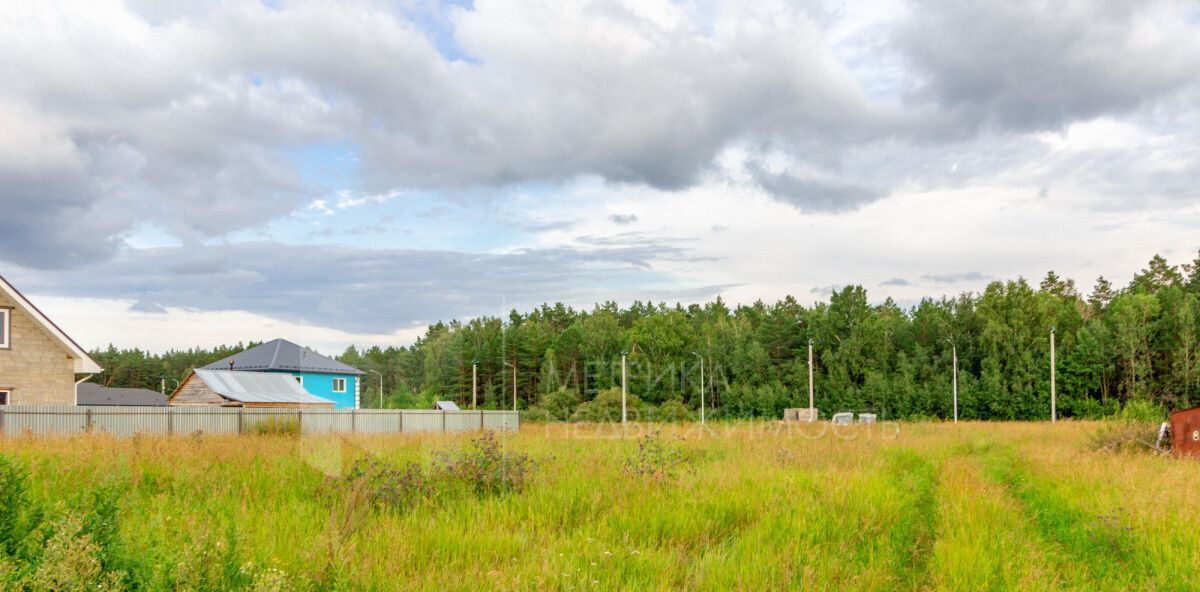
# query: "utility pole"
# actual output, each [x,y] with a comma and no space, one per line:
[812,407]
[474,384]
[1053,394]
[701,386]
[954,352]
[514,367]
[624,391]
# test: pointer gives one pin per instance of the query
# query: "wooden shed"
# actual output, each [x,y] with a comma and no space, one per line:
[1185,432]
[232,388]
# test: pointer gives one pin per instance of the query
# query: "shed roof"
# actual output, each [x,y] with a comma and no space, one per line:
[90,393]
[282,354]
[257,387]
[446,406]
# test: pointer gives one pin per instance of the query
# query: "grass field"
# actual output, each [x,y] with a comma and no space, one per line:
[745,506]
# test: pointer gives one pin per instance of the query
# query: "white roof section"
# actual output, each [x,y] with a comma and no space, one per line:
[258,387]
[447,406]
[84,364]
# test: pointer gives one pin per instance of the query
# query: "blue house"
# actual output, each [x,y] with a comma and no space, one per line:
[319,375]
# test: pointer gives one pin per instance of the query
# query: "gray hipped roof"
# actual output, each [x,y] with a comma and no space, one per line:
[258,387]
[282,354]
[90,393]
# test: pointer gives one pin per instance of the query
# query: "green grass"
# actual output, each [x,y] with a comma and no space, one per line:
[935,507]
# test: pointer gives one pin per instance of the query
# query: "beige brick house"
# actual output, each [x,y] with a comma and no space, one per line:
[38,362]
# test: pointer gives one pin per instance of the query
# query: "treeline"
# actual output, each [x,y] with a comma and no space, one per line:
[1114,345]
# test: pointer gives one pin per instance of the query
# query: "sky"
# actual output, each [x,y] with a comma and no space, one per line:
[192,174]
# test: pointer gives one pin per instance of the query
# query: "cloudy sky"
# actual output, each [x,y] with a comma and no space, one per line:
[347,172]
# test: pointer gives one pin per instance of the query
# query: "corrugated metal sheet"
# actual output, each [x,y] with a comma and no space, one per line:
[258,387]
[41,420]
[1185,432]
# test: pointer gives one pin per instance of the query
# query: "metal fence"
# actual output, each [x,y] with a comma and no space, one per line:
[16,420]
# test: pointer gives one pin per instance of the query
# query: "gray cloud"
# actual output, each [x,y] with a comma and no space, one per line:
[144,306]
[360,290]
[895,282]
[623,219]
[954,278]
[189,118]
[1012,65]
[815,195]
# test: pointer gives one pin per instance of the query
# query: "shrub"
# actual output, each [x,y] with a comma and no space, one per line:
[278,426]
[673,411]
[607,407]
[389,486]
[484,466]
[655,458]
[536,415]
[560,404]
[1142,411]
[72,561]
[1126,436]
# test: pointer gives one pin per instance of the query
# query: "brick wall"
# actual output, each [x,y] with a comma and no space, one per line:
[37,368]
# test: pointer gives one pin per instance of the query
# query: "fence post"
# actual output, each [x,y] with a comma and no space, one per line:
[241,422]
[300,420]
[170,422]
[443,421]
[481,419]
[401,416]
[88,413]
[3,413]
[353,423]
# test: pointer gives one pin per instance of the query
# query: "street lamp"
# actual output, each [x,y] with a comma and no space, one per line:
[812,407]
[514,367]
[624,390]
[701,358]
[1053,402]
[474,383]
[954,352]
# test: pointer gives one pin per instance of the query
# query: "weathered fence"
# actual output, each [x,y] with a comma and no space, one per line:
[16,420]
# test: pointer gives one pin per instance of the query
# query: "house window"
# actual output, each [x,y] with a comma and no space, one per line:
[5,327]
[339,385]
[5,395]
[300,380]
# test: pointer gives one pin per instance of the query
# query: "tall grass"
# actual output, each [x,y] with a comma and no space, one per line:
[744,506]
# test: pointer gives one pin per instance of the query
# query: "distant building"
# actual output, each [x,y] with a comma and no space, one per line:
[90,393]
[319,375]
[38,362]
[446,406]
[226,388]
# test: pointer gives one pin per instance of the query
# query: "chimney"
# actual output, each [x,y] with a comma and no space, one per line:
[231,365]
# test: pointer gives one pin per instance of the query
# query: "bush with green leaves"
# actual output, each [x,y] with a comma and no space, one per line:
[607,407]
[673,410]
[485,466]
[392,486]
[561,403]
[656,458]
[536,415]
[1142,411]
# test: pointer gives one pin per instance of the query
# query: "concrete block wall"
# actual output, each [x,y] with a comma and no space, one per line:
[36,367]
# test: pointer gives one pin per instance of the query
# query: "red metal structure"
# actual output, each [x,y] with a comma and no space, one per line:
[1185,432]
